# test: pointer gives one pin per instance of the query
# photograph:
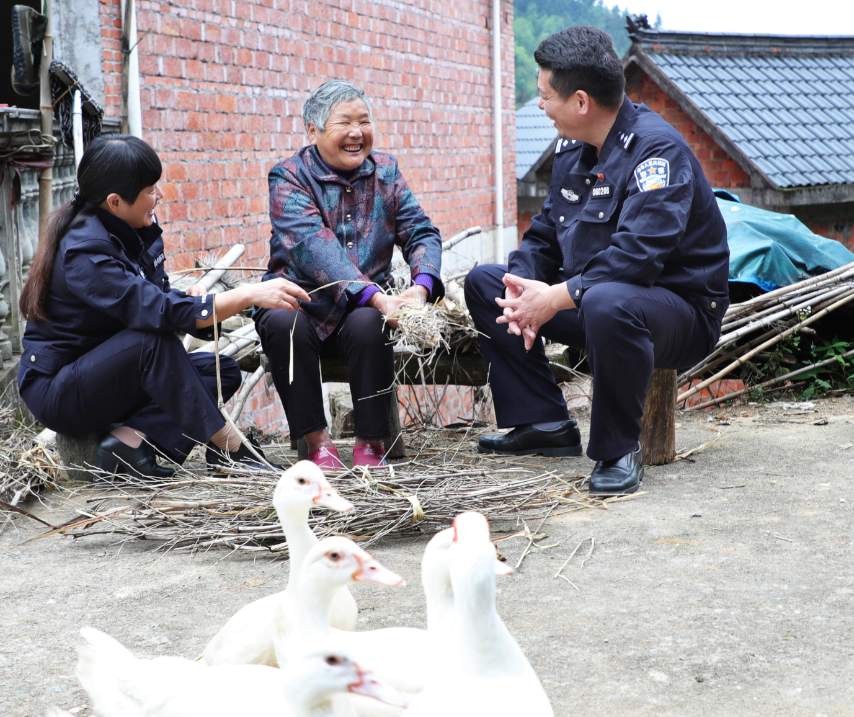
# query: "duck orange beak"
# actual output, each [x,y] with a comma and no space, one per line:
[333,500]
[371,570]
[369,686]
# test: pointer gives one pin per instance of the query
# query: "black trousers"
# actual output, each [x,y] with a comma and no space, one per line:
[141,379]
[627,331]
[365,347]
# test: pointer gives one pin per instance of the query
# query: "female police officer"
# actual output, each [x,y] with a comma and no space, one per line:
[101,352]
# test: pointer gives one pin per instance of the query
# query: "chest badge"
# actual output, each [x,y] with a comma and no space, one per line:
[569,195]
[601,190]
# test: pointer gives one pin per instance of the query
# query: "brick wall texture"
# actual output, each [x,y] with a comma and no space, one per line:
[222,88]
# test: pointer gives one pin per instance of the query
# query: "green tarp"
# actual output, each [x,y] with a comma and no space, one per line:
[770,249]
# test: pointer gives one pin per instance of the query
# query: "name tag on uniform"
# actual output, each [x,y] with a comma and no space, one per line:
[159,260]
[601,190]
[569,195]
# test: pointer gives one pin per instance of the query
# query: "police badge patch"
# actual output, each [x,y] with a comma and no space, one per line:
[569,195]
[652,173]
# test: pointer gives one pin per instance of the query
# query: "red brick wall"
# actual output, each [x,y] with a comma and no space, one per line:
[223,85]
[720,169]
[222,88]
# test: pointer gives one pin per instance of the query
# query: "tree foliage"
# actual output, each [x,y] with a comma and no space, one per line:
[537,19]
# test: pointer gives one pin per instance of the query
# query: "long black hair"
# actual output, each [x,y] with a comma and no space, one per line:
[112,164]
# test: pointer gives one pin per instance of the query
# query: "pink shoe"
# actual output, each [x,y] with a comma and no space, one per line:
[326,458]
[368,453]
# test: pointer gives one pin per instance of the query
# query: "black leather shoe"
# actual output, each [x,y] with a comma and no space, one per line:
[529,441]
[114,457]
[618,476]
[218,458]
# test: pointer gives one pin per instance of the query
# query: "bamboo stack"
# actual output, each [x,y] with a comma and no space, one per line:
[759,324]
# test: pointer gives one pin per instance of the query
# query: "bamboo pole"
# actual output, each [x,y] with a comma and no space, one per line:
[770,381]
[212,276]
[828,277]
[220,267]
[781,314]
[236,340]
[246,389]
[457,238]
[46,110]
[775,339]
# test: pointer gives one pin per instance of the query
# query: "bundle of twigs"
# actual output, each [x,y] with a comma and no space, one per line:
[756,325]
[195,511]
[426,330]
[25,468]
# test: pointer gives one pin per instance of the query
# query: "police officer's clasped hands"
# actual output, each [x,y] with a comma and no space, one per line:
[528,304]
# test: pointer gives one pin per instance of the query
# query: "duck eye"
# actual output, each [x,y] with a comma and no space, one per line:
[302,481]
[333,556]
[333,660]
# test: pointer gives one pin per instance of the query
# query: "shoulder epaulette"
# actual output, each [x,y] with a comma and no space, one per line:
[563,144]
[627,139]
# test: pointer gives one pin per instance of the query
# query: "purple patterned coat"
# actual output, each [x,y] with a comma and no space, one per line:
[327,228]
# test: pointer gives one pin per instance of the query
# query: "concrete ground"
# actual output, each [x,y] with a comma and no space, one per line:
[727,588]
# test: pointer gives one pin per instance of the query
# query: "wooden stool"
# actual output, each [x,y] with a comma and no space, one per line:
[658,426]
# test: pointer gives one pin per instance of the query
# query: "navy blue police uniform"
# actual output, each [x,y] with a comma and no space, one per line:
[636,235]
[109,353]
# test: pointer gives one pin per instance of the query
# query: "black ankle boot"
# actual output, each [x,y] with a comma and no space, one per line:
[114,457]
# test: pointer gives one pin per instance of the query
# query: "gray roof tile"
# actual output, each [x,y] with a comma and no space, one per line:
[534,135]
[787,103]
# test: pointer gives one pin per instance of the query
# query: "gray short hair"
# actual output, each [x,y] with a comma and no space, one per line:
[321,102]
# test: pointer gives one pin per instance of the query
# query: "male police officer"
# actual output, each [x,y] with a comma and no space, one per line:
[628,259]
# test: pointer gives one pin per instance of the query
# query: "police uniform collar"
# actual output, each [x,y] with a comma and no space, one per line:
[133,240]
[324,173]
[621,133]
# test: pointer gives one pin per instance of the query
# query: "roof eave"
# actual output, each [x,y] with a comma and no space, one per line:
[812,195]
[742,43]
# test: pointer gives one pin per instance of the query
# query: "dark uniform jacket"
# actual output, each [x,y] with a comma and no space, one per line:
[328,228]
[641,213]
[106,278]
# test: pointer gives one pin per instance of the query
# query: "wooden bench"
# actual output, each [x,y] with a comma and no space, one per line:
[658,429]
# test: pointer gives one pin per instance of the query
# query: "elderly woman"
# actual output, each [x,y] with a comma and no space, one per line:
[337,210]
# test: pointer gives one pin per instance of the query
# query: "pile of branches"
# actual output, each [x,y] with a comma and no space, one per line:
[26,468]
[194,511]
[761,323]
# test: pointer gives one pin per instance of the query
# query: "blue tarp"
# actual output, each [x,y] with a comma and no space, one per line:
[771,250]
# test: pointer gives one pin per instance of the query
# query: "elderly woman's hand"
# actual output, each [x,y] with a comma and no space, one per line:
[389,304]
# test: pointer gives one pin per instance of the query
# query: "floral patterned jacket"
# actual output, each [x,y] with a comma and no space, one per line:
[326,228]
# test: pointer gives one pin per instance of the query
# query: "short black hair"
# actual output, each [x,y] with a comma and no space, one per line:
[118,163]
[583,58]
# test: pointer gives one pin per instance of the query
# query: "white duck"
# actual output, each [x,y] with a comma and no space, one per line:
[121,685]
[401,656]
[394,653]
[485,672]
[247,637]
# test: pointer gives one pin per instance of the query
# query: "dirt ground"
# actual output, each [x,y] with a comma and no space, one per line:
[726,588]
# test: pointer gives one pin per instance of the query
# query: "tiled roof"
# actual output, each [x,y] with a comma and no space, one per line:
[786,103]
[534,135]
